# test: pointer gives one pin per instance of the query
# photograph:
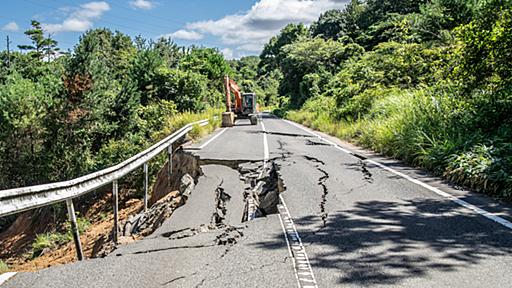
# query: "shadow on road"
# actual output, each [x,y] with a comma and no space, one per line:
[389,242]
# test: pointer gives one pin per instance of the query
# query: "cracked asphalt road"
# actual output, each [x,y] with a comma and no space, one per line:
[361,227]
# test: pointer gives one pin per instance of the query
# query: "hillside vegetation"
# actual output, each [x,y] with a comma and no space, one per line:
[429,82]
[64,115]
[98,104]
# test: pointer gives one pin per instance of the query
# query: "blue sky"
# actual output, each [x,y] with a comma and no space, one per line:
[236,27]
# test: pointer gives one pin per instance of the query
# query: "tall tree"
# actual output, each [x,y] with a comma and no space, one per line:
[329,25]
[41,46]
[272,55]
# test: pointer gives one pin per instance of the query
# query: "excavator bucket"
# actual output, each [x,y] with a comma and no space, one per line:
[228,119]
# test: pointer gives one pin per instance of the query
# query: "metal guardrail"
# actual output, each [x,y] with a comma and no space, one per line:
[22,199]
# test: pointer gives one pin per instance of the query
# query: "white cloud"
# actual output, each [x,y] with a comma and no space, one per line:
[11,27]
[228,53]
[185,35]
[142,4]
[250,30]
[80,18]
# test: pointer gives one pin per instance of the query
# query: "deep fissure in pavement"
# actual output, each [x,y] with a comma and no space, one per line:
[322,183]
[221,197]
[325,191]
[264,184]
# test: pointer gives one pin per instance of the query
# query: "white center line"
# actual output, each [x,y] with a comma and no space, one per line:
[265,143]
[302,267]
[486,214]
[213,138]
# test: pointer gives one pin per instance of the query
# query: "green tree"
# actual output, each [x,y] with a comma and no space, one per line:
[271,56]
[22,130]
[330,25]
[41,46]
[312,56]
[208,62]
[486,45]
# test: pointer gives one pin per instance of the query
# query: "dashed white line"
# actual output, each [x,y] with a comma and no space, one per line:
[486,214]
[6,276]
[213,138]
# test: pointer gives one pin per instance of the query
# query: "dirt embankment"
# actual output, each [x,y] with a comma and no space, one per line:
[17,241]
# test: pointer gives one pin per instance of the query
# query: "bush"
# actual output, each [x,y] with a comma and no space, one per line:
[48,240]
[55,239]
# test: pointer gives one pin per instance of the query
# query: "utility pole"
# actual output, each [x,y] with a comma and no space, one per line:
[8,53]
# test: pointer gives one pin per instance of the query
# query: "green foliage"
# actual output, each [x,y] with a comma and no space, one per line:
[486,44]
[48,241]
[3,267]
[272,55]
[318,59]
[56,239]
[22,126]
[251,78]
[41,46]
[433,86]
[208,62]
[106,100]
[329,25]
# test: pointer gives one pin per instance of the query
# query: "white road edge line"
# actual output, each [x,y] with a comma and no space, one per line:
[486,214]
[213,138]
[296,249]
[6,276]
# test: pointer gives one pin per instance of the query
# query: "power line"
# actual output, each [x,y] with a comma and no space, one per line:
[101,20]
[138,21]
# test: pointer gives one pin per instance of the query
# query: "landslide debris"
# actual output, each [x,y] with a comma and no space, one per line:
[176,188]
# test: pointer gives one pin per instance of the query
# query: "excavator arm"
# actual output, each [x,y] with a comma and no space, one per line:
[231,86]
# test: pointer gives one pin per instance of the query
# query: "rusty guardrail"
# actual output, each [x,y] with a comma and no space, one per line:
[26,198]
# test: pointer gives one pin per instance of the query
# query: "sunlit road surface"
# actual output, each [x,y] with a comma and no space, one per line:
[342,221]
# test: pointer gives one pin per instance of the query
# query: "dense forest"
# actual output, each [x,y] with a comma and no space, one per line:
[98,104]
[429,82]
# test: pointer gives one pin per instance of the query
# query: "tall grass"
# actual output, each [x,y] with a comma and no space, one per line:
[428,128]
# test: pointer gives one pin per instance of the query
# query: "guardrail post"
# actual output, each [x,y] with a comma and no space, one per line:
[169,165]
[74,229]
[146,183]
[116,212]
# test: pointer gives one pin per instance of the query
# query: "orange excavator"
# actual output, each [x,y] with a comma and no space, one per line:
[244,106]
